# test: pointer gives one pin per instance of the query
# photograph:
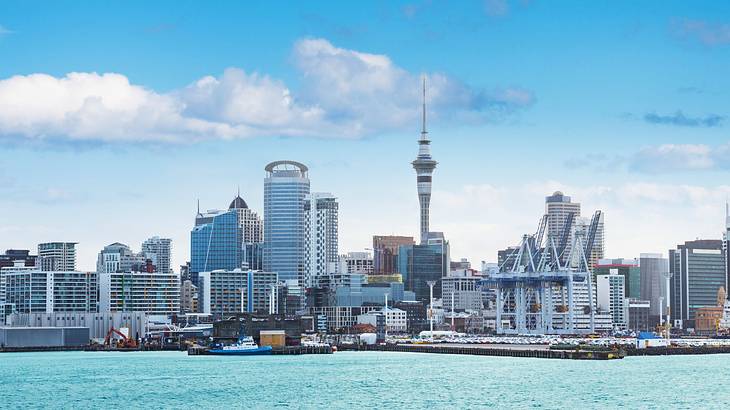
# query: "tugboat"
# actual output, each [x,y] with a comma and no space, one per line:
[243,347]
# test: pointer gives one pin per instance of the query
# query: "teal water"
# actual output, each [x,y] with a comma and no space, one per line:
[358,380]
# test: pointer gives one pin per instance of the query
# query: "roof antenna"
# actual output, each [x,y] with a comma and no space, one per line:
[198,206]
[423,129]
[239,191]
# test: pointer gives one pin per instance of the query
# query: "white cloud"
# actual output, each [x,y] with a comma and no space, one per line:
[344,93]
[680,157]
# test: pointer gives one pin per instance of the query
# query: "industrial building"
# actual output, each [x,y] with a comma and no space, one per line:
[97,324]
[43,337]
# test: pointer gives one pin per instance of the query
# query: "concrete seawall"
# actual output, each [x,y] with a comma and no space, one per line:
[541,353]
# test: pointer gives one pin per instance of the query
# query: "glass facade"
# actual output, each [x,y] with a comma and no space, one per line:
[421,263]
[285,186]
[698,271]
[215,242]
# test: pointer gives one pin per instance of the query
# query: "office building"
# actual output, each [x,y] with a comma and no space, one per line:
[422,263]
[385,253]
[459,290]
[118,257]
[654,270]
[698,271]
[628,268]
[726,243]
[57,256]
[149,292]
[31,290]
[639,315]
[395,319]
[223,292]
[424,166]
[507,257]
[611,291]
[320,235]
[285,187]
[215,242]
[12,257]
[158,251]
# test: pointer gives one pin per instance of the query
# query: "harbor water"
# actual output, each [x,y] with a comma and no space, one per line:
[358,380]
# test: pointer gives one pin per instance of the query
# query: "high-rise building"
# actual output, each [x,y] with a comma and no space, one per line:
[252,228]
[154,293]
[234,291]
[628,268]
[188,297]
[385,253]
[12,257]
[611,298]
[57,256]
[424,166]
[320,235]
[419,264]
[698,272]
[285,187]
[118,257]
[215,242]
[559,209]
[459,289]
[31,290]
[356,262]
[654,269]
[158,251]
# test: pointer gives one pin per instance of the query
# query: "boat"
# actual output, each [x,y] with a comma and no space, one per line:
[243,347]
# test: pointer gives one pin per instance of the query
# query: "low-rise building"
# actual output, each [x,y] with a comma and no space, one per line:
[97,323]
[395,319]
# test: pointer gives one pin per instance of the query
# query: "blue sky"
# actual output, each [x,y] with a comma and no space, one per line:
[116,117]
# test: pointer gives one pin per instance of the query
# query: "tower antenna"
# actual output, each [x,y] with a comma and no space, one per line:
[423,129]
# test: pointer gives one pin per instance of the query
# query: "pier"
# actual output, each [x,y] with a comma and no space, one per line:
[283,350]
[521,351]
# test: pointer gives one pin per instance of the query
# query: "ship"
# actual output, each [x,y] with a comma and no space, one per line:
[243,347]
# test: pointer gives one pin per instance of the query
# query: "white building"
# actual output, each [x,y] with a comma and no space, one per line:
[224,291]
[57,256]
[249,222]
[395,319]
[354,262]
[154,293]
[320,235]
[610,290]
[30,290]
[158,250]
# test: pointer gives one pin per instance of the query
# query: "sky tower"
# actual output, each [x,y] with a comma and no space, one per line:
[424,166]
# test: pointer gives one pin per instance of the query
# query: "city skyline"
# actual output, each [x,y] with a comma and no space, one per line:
[652,157]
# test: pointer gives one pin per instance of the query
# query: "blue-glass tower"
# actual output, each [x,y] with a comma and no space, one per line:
[285,187]
[216,242]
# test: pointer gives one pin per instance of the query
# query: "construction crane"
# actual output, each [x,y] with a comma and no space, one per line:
[124,341]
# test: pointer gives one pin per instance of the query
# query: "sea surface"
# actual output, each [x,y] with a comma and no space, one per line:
[81,380]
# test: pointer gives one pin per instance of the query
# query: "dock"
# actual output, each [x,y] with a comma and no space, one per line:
[528,351]
[282,350]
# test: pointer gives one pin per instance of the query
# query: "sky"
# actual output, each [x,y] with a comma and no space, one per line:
[117,117]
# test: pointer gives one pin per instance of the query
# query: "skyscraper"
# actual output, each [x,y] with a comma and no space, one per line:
[158,251]
[252,228]
[320,235]
[285,186]
[654,269]
[726,244]
[57,256]
[118,257]
[215,242]
[424,166]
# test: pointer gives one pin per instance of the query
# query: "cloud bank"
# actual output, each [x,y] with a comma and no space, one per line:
[706,33]
[343,94]
[681,120]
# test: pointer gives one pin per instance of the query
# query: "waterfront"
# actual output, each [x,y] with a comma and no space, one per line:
[357,379]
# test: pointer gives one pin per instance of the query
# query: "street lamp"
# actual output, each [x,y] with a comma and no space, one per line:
[431,283]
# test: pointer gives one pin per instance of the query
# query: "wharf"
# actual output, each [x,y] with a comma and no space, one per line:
[671,351]
[522,351]
[285,350]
